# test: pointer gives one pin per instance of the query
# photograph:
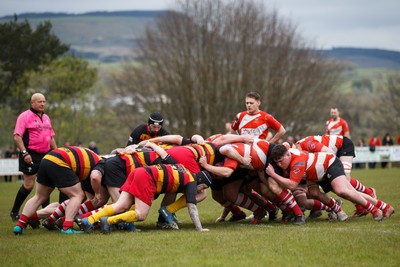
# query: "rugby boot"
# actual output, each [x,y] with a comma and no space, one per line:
[299,219]
[258,217]
[169,218]
[49,225]
[105,227]
[315,214]
[388,211]
[377,215]
[237,217]
[71,231]
[17,230]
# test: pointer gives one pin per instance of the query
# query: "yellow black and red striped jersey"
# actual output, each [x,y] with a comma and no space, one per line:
[140,158]
[169,178]
[209,150]
[79,159]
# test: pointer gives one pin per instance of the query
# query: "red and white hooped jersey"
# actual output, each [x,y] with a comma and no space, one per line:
[258,151]
[257,125]
[337,127]
[316,142]
[214,137]
[311,166]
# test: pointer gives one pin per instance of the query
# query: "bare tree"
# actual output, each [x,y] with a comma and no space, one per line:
[387,108]
[201,59]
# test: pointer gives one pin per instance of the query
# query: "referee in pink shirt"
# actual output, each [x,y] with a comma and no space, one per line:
[34,136]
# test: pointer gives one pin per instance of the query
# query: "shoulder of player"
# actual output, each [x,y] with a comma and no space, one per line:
[265,115]
[26,113]
[164,132]
[140,127]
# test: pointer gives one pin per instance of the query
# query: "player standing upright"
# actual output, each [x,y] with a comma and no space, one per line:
[336,125]
[256,122]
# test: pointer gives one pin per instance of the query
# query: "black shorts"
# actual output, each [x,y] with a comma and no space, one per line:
[100,167]
[335,170]
[87,186]
[347,148]
[53,175]
[114,172]
[238,174]
[30,169]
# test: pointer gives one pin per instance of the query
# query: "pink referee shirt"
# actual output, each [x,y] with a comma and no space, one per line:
[38,130]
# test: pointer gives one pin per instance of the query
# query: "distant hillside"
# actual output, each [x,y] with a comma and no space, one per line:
[366,58]
[103,36]
[49,15]
[111,36]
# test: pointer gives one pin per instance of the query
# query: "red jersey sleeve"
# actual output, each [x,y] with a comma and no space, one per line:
[314,146]
[230,163]
[297,168]
[272,122]
[235,122]
[326,127]
[345,126]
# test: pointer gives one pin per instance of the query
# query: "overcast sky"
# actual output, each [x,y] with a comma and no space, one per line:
[327,24]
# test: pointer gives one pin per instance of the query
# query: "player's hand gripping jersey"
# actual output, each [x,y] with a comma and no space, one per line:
[258,151]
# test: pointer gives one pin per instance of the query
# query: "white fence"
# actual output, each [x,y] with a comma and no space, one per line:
[9,167]
[363,155]
[381,154]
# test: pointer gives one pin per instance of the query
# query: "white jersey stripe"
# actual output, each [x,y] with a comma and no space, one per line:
[247,118]
[260,153]
[332,143]
[319,165]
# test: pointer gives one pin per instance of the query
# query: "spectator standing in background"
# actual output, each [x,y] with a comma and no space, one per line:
[386,141]
[336,125]
[360,143]
[34,137]
[374,141]
[93,147]
[398,139]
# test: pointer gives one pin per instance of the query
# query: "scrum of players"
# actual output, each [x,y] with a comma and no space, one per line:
[246,168]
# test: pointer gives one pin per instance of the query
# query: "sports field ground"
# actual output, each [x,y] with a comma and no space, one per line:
[356,242]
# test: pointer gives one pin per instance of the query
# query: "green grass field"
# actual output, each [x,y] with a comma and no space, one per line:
[356,242]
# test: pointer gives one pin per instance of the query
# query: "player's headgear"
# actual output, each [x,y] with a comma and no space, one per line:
[155,118]
[204,177]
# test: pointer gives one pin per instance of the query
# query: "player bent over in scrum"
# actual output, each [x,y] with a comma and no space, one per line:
[323,169]
[141,186]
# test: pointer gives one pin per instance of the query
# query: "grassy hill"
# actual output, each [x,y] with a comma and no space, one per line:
[367,58]
[111,36]
[104,36]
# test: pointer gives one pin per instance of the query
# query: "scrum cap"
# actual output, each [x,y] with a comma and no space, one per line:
[155,118]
